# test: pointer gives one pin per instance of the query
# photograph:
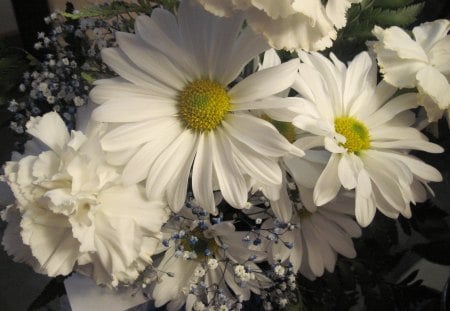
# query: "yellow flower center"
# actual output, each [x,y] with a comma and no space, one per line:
[356,133]
[203,104]
[284,128]
[201,245]
[303,213]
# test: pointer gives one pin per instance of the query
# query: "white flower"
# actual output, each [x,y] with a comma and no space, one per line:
[310,237]
[289,24]
[74,213]
[221,272]
[172,110]
[212,263]
[316,236]
[367,133]
[422,62]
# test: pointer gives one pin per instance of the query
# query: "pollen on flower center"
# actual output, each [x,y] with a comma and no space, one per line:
[197,242]
[203,104]
[356,133]
[286,129]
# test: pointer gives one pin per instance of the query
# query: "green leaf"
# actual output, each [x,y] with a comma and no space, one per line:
[89,78]
[436,251]
[110,10]
[400,17]
[392,4]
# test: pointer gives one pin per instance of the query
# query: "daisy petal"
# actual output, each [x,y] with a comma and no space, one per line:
[258,134]
[231,181]
[265,83]
[202,175]
[328,183]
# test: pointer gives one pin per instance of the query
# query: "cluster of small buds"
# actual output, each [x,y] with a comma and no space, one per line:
[284,292]
[244,274]
[61,81]
[198,287]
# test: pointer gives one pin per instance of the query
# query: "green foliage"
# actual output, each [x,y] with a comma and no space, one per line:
[362,18]
[110,10]
[13,63]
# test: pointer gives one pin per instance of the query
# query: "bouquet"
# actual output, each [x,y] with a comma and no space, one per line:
[229,155]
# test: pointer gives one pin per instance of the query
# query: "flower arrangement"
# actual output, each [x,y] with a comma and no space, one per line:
[173,150]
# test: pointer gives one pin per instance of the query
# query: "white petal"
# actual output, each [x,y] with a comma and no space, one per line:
[328,183]
[391,109]
[258,134]
[434,84]
[137,167]
[419,168]
[134,134]
[162,33]
[202,175]
[383,133]
[154,63]
[263,169]
[265,82]
[440,56]
[134,109]
[397,40]
[268,103]
[51,241]
[231,181]
[315,259]
[123,66]
[168,164]
[334,236]
[348,172]
[50,129]
[309,142]
[428,34]
[364,209]
[408,144]
[170,287]
[357,76]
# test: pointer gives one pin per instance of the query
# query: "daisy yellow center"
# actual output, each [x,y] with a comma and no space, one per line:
[203,104]
[356,133]
[303,213]
[201,245]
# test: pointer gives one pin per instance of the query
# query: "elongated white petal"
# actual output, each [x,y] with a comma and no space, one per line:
[151,61]
[364,209]
[258,134]
[328,183]
[202,175]
[265,83]
[134,109]
[135,134]
[269,103]
[231,181]
[391,109]
[168,164]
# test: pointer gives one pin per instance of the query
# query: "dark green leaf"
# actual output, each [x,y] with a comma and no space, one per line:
[436,251]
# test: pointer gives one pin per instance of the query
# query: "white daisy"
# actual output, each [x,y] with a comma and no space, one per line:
[310,237]
[173,108]
[422,62]
[289,24]
[206,264]
[314,236]
[367,133]
[74,213]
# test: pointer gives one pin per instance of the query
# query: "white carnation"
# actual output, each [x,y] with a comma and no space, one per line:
[75,214]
